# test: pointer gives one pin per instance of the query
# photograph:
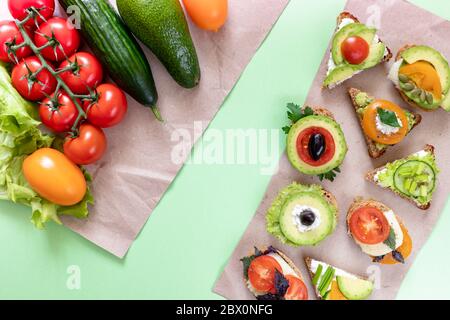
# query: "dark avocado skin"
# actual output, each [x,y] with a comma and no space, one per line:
[161,25]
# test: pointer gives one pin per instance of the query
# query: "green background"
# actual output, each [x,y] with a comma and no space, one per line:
[189,237]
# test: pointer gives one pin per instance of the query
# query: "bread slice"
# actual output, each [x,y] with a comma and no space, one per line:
[370,176]
[402,94]
[348,15]
[375,152]
[289,262]
[308,262]
[361,203]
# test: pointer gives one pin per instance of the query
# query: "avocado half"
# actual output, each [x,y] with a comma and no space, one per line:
[316,121]
[440,63]
[280,220]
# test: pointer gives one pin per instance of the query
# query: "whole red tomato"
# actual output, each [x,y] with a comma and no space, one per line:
[32,87]
[355,49]
[88,147]
[87,72]
[58,114]
[19,9]
[64,34]
[109,109]
[10,34]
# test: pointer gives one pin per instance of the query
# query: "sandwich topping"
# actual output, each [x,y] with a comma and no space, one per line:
[315,143]
[355,47]
[332,283]
[301,215]
[422,74]
[270,277]
[414,176]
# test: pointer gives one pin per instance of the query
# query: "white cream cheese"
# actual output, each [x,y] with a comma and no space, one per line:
[422,153]
[387,129]
[338,272]
[381,249]
[376,177]
[394,71]
[296,212]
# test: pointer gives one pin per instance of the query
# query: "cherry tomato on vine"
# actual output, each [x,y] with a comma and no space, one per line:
[10,34]
[87,72]
[355,50]
[31,86]
[60,31]
[19,9]
[86,148]
[59,114]
[110,107]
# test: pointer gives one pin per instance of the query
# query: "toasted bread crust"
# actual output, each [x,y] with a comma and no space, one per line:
[373,151]
[370,176]
[402,94]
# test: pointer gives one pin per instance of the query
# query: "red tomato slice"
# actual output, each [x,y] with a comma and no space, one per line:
[297,289]
[369,225]
[261,273]
[303,150]
[355,50]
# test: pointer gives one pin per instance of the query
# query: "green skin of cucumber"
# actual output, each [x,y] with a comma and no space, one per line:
[112,43]
[161,25]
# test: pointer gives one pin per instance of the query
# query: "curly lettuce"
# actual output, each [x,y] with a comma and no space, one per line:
[19,137]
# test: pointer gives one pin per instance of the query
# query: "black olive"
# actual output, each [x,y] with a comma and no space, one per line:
[316,146]
[307,217]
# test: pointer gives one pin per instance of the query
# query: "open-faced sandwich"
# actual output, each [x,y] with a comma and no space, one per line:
[302,215]
[413,178]
[315,141]
[355,47]
[383,122]
[422,76]
[379,232]
[271,275]
[331,283]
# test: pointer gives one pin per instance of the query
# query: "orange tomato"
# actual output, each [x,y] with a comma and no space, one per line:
[405,249]
[54,177]
[424,76]
[335,292]
[207,14]
[370,127]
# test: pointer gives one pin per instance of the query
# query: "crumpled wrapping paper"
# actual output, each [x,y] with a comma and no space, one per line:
[138,166]
[400,23]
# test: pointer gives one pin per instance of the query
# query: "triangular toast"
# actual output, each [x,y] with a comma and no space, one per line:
[376,150]
[331,288]
[372,176]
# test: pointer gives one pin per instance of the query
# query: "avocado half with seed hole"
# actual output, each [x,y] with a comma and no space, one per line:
[316,145]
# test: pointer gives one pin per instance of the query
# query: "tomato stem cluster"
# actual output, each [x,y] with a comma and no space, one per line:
[33,13]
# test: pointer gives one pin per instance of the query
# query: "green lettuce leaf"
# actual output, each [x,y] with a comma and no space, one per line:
[19,137]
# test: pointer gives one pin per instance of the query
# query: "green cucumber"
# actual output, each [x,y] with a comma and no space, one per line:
[415,178]
[113,44]
[317,274]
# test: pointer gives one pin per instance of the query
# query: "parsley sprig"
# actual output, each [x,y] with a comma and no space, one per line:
[296,113]
[330,175]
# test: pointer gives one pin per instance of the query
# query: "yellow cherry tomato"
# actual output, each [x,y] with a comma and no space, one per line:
[370,126]
[207,14]
[54,177]
[424,76]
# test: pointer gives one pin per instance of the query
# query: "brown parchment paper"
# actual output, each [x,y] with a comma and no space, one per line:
[399,22]
[138,166]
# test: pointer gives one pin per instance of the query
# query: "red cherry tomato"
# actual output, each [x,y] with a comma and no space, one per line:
[64,34]
[10,34]
[58,116]
[355,50]
[30,87]
[19,9]
[88,147]
[296,290]
[87,72]
[261,273]
[303,142]
[369,225]
[109,109]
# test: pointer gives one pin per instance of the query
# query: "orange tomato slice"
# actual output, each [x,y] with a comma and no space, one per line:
[335,293]
[405,249]
[370,127]
[424,76]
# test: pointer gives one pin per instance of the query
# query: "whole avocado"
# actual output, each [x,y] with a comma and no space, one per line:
[161,25]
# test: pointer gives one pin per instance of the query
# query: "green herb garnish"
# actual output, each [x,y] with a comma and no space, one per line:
[388,117]
[296,113]
[330,175]
[390,241]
